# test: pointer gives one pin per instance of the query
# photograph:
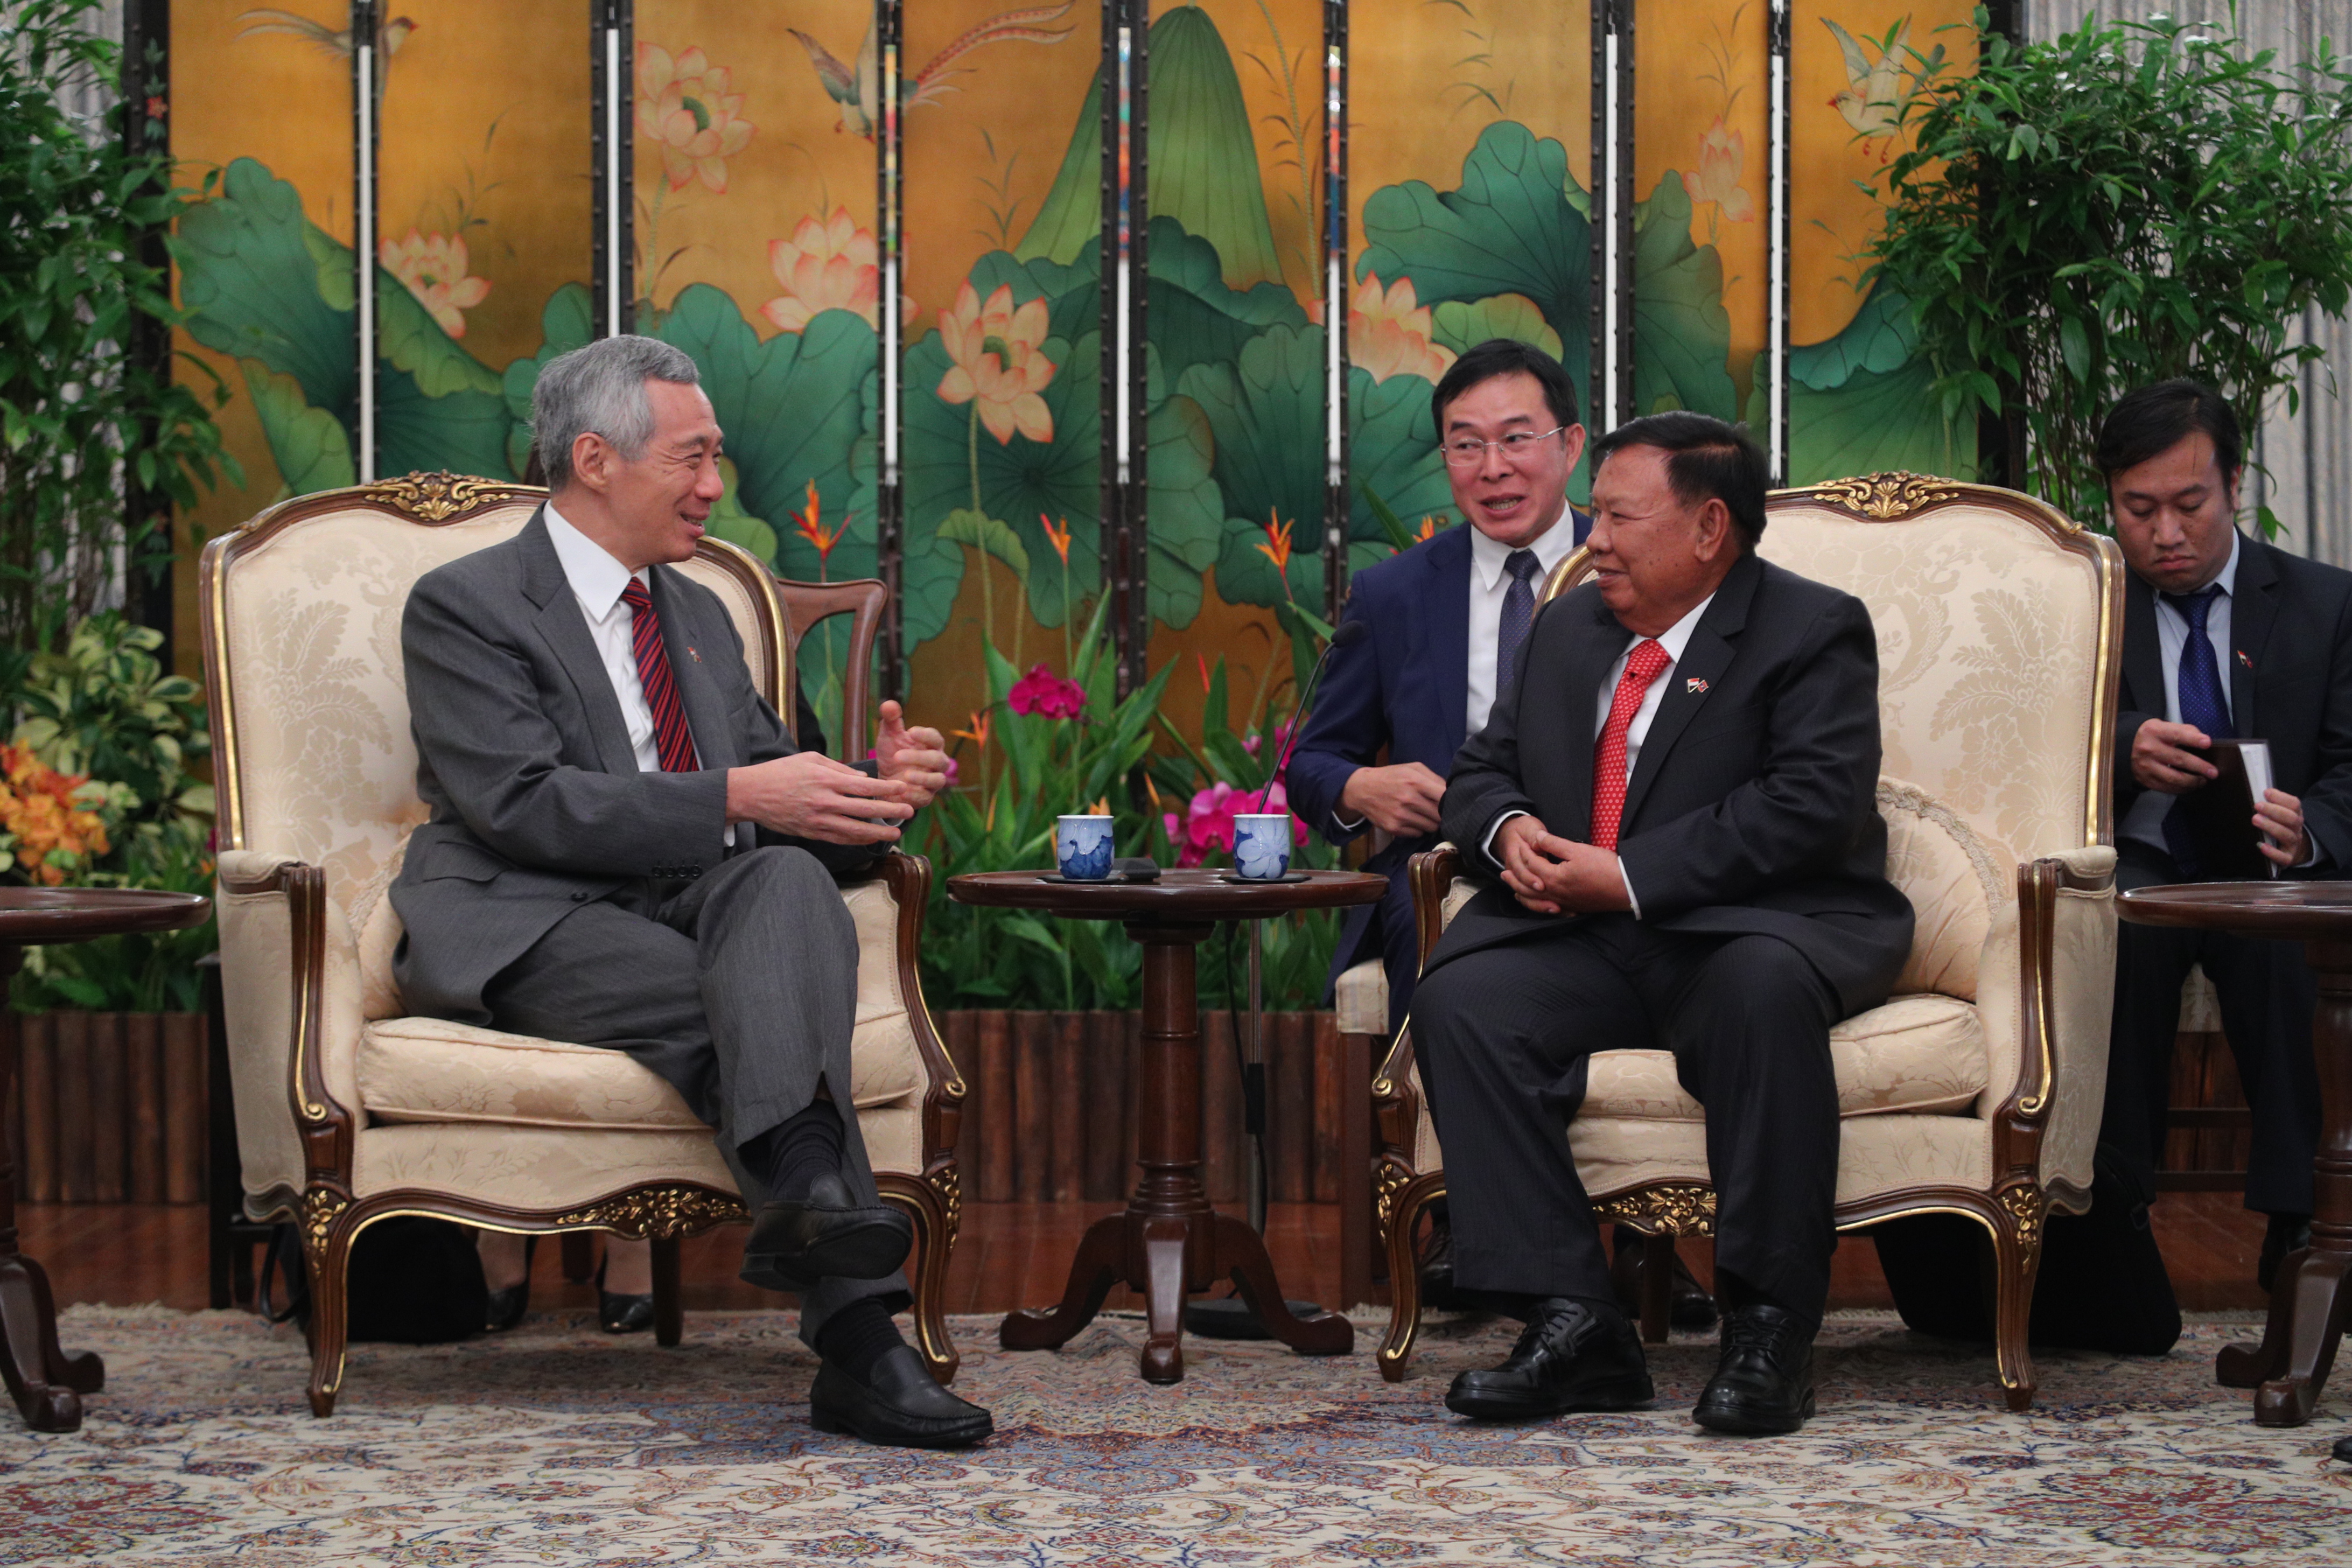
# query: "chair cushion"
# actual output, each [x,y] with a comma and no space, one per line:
[429,1069]
[1953,876]
[1922,1053]
[1361,997]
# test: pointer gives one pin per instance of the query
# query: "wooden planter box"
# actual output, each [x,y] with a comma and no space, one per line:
[1049,1114]
[108,1107]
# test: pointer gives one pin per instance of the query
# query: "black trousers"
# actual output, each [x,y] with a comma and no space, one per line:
[2267,997]
[1503,1033]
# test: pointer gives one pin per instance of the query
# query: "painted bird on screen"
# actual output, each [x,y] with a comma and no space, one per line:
[1877,90]
[858,88]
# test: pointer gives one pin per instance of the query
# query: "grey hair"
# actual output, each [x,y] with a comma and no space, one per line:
[600,388]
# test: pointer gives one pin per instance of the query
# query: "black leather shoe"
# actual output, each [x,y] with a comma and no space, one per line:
[824,1236]
[1765,1381]
[1569,1357]
[2286,1235]
[1435,1267]
[1687,1305]
[900,1405]
[505,1308]
[618,1312]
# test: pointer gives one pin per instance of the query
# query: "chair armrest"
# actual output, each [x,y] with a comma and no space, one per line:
[2070,983]
[292,1029]
[909,878]
[1432,872]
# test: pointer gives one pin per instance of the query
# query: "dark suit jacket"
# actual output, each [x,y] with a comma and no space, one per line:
[2289,667]
[1405,688]
[523,759]
[1752,808]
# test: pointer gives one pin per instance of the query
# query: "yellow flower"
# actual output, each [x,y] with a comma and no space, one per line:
[1389,335]
[826,266]
[1721,152]
[684,107]
[432,267]
[997,360]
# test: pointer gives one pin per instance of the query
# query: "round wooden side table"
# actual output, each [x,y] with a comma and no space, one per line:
[1170,1242]
[2309,1301]
[45,1383]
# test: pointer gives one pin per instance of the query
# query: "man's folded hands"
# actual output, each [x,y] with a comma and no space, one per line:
[1552,875]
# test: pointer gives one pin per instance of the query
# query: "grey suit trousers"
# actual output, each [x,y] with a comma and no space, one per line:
[739,986]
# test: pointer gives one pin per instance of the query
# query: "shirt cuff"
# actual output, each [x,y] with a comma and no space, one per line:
[1631,898]
[1487,847]
[2308,861]
[1348,825]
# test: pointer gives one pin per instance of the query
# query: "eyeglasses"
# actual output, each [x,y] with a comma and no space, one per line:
[1469,452]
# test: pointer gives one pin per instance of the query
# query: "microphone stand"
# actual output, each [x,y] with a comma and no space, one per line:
[1231,1318]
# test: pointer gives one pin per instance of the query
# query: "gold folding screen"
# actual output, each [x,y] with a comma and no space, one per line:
[1045,417]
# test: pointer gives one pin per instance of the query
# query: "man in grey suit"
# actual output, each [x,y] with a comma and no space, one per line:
[626,849]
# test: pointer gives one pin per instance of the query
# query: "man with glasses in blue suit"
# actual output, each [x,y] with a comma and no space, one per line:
[1445,619]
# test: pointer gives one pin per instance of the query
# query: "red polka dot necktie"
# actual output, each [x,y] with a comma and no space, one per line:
[672,739]
[1643,665]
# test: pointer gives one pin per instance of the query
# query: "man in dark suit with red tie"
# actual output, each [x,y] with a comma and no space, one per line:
[1675,814]
[2224,636]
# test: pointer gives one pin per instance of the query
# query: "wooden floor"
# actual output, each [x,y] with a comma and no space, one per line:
[1014,1255]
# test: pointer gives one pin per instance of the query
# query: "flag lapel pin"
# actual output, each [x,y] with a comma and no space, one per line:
[2244,660]
[1694,686]
[694,653]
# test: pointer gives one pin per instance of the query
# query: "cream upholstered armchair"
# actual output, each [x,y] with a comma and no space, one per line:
[1977,1088]
[347,1111]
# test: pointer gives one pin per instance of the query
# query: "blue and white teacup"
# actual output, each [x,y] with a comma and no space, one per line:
[1082,848]
[1262,845]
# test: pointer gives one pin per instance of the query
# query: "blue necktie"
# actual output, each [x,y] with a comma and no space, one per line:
[1518,614]
[2202,704]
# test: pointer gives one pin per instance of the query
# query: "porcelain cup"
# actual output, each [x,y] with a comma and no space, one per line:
[1262,845]
[1082,848]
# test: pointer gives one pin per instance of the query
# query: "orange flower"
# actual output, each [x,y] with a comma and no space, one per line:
[1389,335]
[1059,538]
[1277,549]
[810,526]
[1721,151]
[997,360]
[684,107]
[43,814]
[1428,530]
[432,267]
[826,266]
[978,735]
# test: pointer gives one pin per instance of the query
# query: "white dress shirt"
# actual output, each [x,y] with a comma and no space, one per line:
[598,579]
[1488,585]
[1674,639]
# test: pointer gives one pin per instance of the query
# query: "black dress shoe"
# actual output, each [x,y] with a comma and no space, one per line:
[900,1405]
[505,1308]
[1435,1264]
[1687,1305]
[619,1312]
[1571,1357]
[1765,1381]
[2286,1235]
[824,1236]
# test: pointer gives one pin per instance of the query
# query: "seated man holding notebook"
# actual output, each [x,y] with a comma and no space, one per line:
[2226,638]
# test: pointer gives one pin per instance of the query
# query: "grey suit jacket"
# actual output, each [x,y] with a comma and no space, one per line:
[523,757]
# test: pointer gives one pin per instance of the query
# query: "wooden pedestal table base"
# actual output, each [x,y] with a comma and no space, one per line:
[2309,1300]
[46,1382]
[1170,1243]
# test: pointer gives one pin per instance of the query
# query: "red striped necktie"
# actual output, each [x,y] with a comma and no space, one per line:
[672,739]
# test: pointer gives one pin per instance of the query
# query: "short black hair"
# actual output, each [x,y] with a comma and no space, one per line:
[1504,356]
[2152,420]
[1706,459]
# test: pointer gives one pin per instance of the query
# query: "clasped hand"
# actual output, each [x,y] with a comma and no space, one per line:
[1552,875]
[810,795]
[2168,758]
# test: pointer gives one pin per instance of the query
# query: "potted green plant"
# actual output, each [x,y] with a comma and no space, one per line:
[2128,202]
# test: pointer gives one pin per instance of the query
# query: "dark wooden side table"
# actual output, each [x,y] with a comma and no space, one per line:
[2309,1301]
[45,1383]
[1170,1243]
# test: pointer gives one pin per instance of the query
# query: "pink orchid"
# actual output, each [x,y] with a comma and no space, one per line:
[1209,821]
[1043,691]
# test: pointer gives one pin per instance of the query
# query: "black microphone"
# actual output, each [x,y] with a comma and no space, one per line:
[1347,634]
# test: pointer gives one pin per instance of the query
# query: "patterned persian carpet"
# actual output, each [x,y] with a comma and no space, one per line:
[555,1444]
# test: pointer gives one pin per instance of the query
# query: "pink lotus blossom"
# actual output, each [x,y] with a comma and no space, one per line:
[1043,691]
[1209,821]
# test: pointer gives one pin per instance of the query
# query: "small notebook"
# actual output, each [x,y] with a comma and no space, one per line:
[2221,813]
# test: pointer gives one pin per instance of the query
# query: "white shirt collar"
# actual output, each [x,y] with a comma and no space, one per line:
[2228,579]
[596,576]
[1551,547]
